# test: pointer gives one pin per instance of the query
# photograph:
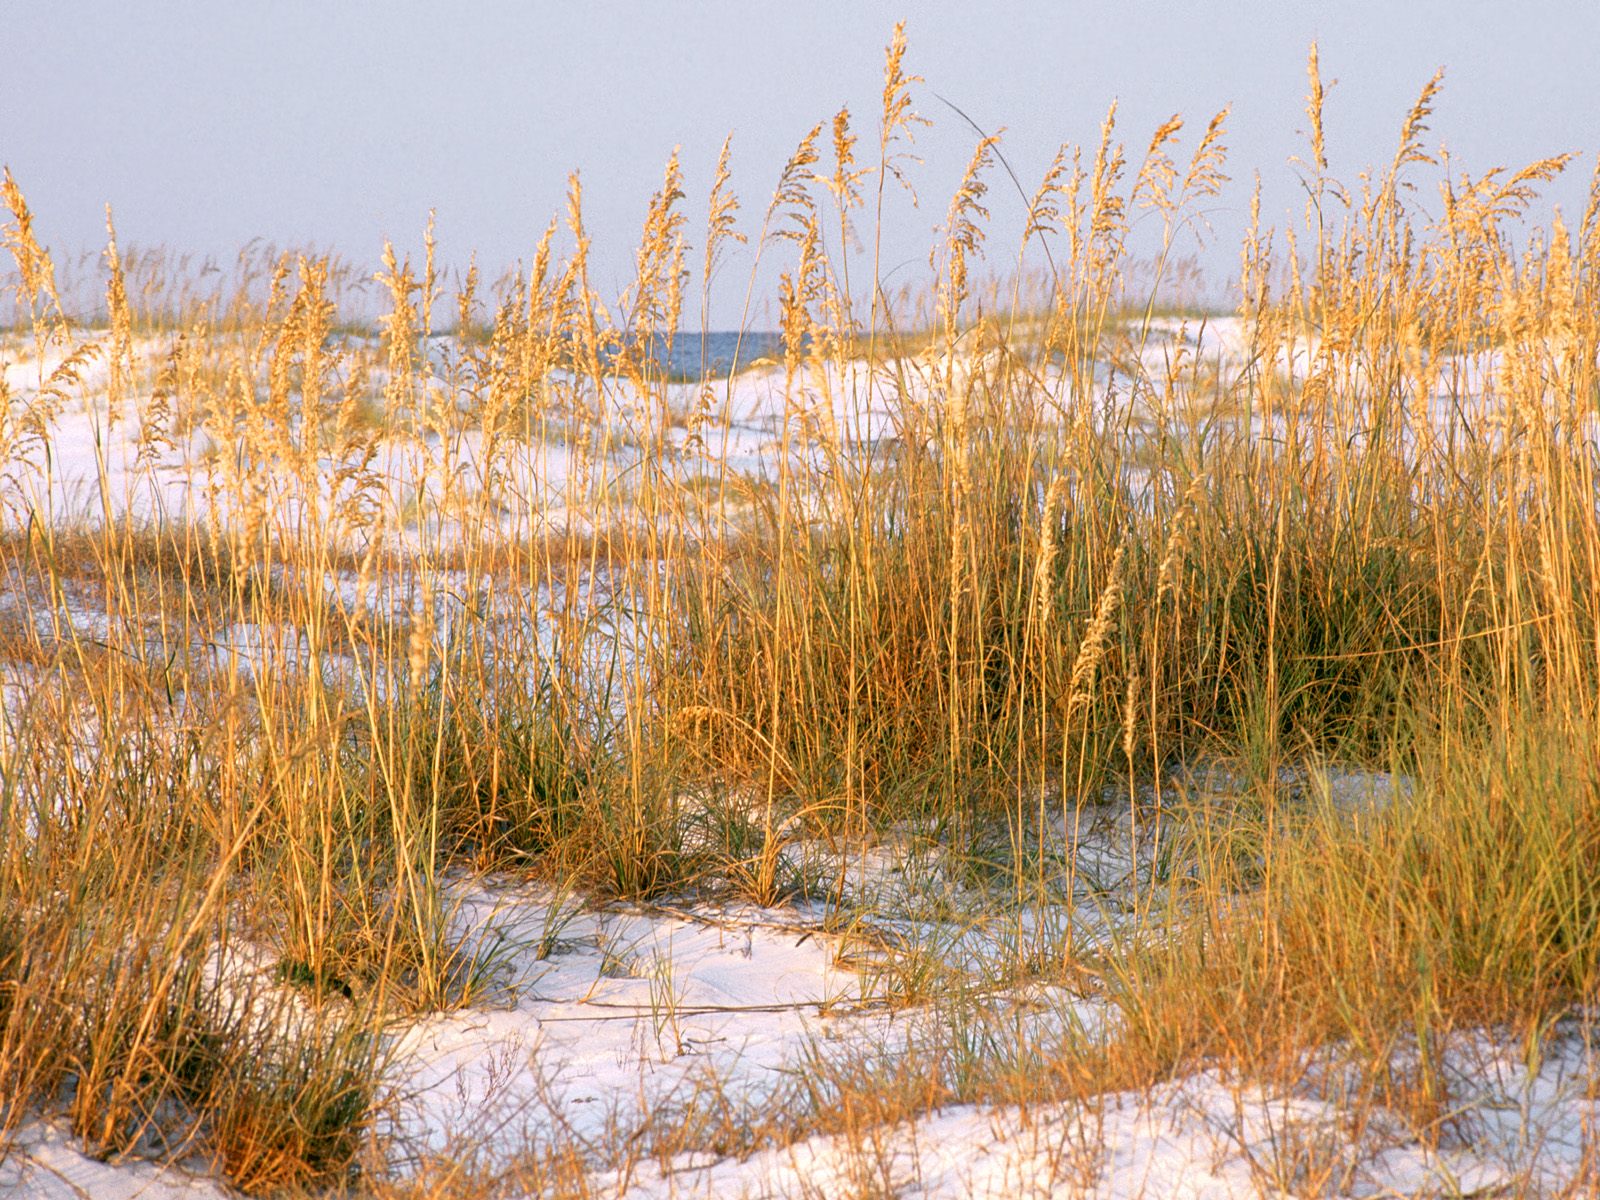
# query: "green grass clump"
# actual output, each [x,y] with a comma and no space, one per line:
[1468,899]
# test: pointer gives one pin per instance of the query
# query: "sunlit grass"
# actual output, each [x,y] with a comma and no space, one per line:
[532,601]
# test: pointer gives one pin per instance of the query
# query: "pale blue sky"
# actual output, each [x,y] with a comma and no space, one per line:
[342,122]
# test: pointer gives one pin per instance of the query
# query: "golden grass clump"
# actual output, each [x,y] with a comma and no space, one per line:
[371,608]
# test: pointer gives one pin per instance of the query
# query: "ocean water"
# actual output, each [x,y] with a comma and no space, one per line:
[690,353]
[686,356]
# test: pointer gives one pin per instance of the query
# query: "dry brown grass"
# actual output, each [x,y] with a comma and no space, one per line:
[1018,595]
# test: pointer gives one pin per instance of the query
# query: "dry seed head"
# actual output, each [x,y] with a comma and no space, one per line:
[420,645]
[694,441]
[1044,210]
[120,357]
[1296,282]
[36,273]
[429,276]
[1314,99]
[792,191]
[721,214]
[796,291]
[467,297]
[964,230]
[580,239]
[895,82]
[539,274]
[276,291]
[899,119]
[588,317]
[1416,124]
[544,308]
[1178,539]
[656,296]
[1044,566]
[845,183]
[1107,211]
[1559,292]
[156,416]
[1589,226]
[1517,193]
[7,425]
[53,394]
[898,115]
[1075,209]
[1130,713]
[960,548]
[1205,176]
[694,720]
[1474,208]
[1157,174]
[1096,639]
[958,456]
[1253,262]
[399,325]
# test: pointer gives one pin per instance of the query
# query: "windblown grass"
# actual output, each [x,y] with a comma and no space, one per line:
[518,604]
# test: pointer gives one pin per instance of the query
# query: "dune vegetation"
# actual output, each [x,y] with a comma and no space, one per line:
[1110,696]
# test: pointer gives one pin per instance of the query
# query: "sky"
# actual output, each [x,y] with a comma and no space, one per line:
[340,123]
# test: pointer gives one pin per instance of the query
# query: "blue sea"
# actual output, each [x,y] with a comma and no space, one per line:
[715,353]
[688,355]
